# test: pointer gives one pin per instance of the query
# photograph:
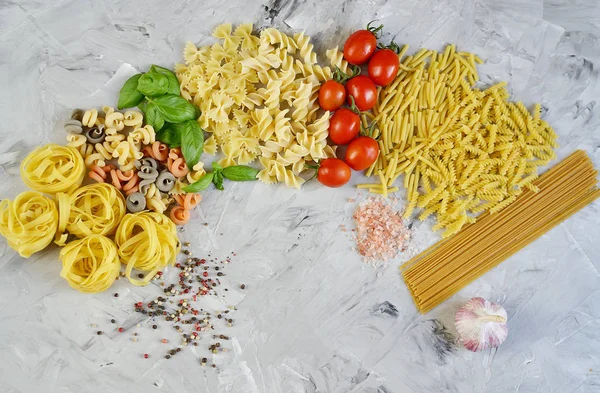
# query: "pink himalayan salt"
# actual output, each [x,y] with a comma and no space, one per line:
[380,232]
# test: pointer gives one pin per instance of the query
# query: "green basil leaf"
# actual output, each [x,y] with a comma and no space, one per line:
[217,167]
[153,117]
[173,85]
[192,142]
[142,106]
[174,109]
[197,113]
[218,179]
[129,96]
[200,184]
[153,84]
[170,134]
[240,173]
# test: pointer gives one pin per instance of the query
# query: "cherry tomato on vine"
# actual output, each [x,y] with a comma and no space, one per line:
[333,172]
[383,67]
[362,153]
[332,95]
[361,45]
[344,126]
[363,90]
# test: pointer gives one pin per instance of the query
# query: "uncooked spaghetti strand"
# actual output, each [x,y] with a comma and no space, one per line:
[545,199]
[517,245]
[425,306]
[485,218]
[498,240]
[492,235]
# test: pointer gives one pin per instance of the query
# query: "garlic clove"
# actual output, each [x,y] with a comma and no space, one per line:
[481,324]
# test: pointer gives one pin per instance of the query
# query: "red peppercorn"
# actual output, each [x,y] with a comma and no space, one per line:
[146,356]
[203,261]
[159,273]
[205,274]
[121,330]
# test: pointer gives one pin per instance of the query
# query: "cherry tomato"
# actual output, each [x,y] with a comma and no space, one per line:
[344,126]
[333,172]
[332,95]
[360,46]
[364,92]
[383,66]
[362,153]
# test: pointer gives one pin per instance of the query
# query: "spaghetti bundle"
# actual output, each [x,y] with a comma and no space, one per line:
[462,151]
[442,270]
[29,222]
[90,264]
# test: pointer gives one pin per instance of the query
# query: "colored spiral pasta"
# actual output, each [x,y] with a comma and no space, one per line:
[147,242]
[94,209]
[29,222]
[90,264]
[53,168]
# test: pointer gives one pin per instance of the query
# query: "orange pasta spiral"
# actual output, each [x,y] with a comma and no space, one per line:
[176,163]
[158,151]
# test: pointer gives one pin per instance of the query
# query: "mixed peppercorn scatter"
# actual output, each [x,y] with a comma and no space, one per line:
[181,309]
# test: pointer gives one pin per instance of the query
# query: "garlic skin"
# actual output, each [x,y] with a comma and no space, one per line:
[481,324]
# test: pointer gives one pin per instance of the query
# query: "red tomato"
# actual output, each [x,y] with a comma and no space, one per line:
[383,66]
[362,153]
[344,126]
[331,95]
[359,47]
[363,90]
[333,172]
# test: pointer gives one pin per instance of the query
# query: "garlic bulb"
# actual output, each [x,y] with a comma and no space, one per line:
[481,324]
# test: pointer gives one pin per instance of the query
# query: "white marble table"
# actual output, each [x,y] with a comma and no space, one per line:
[313,317]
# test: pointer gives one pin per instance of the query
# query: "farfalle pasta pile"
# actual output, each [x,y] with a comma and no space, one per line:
[258,97]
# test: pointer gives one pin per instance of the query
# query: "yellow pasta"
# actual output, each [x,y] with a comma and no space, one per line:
[53,168]
[93,209]
[456,137]
[29,222]
[448,266]
[146,241]
[90,264]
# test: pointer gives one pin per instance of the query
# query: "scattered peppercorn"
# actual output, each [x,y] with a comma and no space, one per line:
[116,295]
[112,321]
[243,286]
[99,332]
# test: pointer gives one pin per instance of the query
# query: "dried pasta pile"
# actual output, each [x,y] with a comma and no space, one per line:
[119,149]
[258,97]
[442,270]
[462,151]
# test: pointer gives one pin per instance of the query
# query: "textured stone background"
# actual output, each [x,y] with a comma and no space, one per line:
[313,318]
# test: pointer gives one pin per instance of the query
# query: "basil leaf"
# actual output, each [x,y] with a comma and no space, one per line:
[200,184]
[170,134]
[129,96]
[142,106]
[197,112]
[218,180]
[173,85]
[153,117]
[174,109]
[153,84]
[217,167]
[192,142]
[240,173]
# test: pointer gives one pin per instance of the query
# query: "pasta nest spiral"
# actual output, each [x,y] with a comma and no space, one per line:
[53,168]
[95,209]
[148,242]
[29,222]
[90,264]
